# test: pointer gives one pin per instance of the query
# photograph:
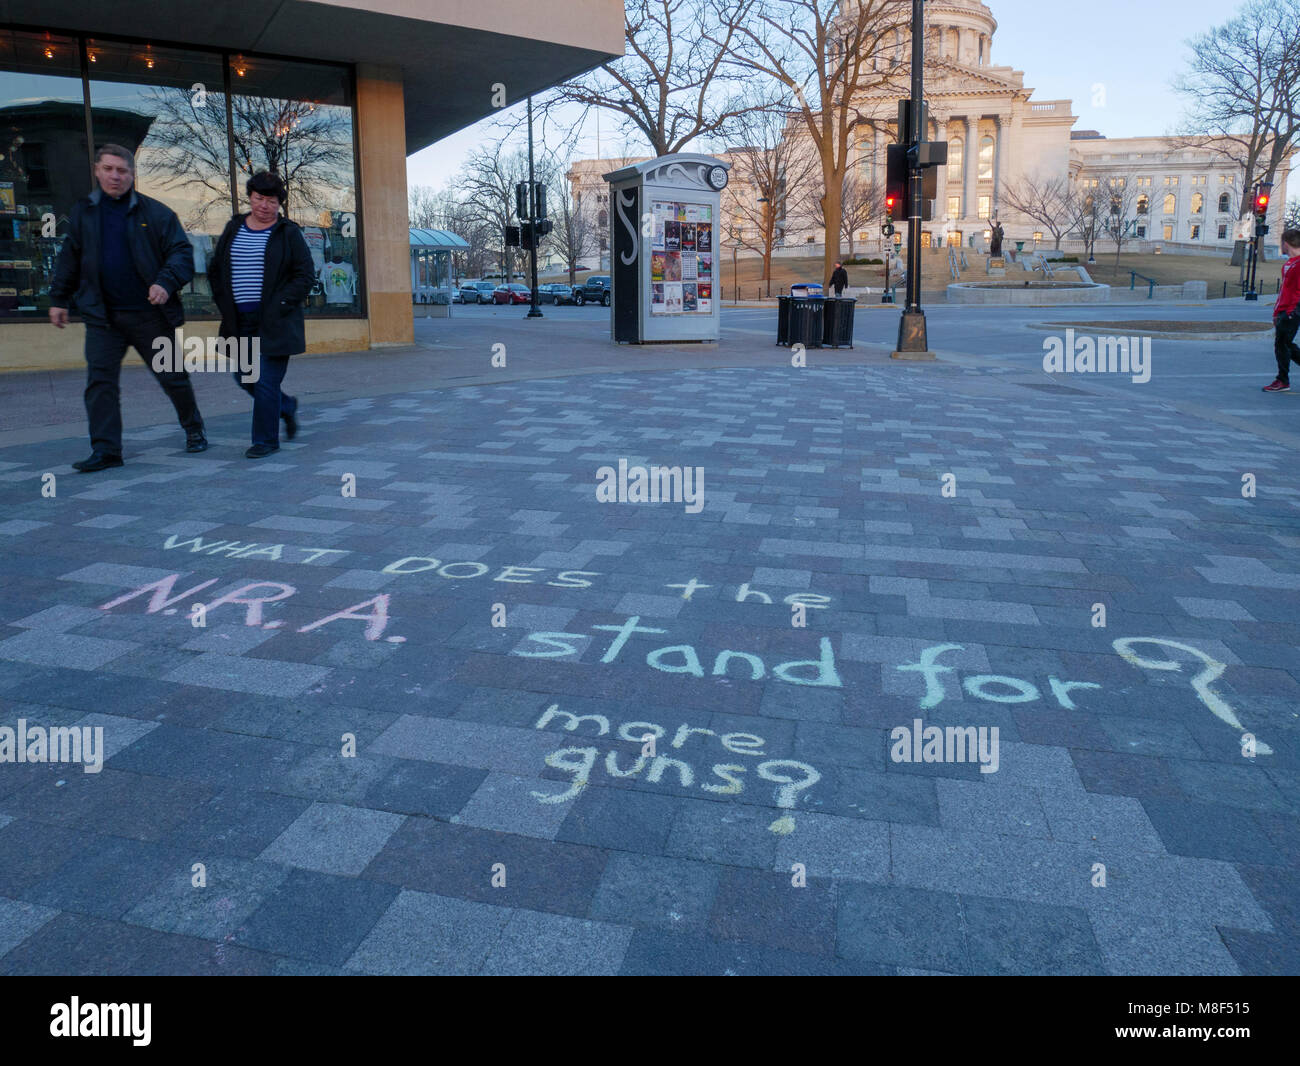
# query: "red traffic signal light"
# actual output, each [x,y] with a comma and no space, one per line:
[1262,192]
[889,204]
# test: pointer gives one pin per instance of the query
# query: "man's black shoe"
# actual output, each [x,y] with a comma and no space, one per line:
[259,451]
[97,461]
[196,441]
[290,425]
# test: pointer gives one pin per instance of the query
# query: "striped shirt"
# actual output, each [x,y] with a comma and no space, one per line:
[247,259]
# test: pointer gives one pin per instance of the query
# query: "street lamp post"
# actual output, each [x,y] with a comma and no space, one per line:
[533,310]
[913,342]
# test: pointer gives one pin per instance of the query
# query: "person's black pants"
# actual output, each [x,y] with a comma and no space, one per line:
[270,404]
[105,348]
[1284,346]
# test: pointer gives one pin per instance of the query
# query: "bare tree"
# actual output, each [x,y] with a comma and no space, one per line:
[488,179]
[1113,209]
[1045,200]
[1291,218]
[827,55]
[574,236]
[1243,90]
[1087,207]
[862,201]
[423,207]
[308,145]
[769,173]
[672,85]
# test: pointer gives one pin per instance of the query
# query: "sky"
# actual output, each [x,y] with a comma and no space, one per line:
[1119,53]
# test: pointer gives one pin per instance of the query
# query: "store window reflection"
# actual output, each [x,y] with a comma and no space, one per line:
[296,119]
[167,106]
[200,124]
[44,163]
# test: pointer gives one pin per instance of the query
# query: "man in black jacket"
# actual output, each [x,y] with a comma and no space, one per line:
[839,279]
[123,262]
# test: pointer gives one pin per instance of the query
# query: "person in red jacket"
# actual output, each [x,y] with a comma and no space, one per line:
[1286,313]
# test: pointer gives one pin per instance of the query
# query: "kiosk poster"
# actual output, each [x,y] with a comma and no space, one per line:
[681,259]
[6,196]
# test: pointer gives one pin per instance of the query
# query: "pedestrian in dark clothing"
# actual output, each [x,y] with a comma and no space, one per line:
[839,279]
[1286,313]
[123,263]
[261,272]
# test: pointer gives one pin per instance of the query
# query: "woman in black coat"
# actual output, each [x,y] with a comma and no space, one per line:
[261,272]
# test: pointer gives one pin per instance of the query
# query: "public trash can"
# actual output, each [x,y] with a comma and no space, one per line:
[799,320]
[837,322]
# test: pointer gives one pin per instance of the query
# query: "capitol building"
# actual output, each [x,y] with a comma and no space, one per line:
[1187,197]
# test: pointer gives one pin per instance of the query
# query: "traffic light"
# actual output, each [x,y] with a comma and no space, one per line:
[539,200]
[897,176]
[521,200]
[895,181]
[512,237]
[1262,192]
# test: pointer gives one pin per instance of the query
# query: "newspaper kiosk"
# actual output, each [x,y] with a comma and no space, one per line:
[664,229]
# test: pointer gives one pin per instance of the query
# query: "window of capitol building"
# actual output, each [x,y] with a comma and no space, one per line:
[200,124]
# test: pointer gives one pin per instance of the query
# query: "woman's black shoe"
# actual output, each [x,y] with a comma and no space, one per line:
[290,425]
[259,451]
[97,461]
[196,441]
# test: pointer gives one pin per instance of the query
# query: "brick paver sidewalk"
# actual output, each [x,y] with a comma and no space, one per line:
[411,734]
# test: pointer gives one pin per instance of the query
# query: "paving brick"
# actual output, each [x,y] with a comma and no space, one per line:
[549,945]
[332,838]
[421,933]
[316,917]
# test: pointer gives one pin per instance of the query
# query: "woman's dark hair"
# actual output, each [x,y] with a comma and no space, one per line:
[264,183]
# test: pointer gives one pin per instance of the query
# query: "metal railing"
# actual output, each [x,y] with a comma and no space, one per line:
[1133,275]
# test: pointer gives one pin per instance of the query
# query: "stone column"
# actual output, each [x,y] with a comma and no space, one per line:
[969,168]
[381,131]
[997,164]
[941,194]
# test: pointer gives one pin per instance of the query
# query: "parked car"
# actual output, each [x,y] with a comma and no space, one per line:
[596,289]
[477,292]
[513,293]
[556,294]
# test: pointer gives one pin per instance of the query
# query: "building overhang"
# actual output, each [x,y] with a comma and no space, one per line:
[450,53]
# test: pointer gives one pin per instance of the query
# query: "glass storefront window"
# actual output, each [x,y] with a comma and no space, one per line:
[170,107]
[167,106]
[44,163]
[296,119]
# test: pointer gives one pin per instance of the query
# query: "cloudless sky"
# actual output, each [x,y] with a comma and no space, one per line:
[1133,48]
